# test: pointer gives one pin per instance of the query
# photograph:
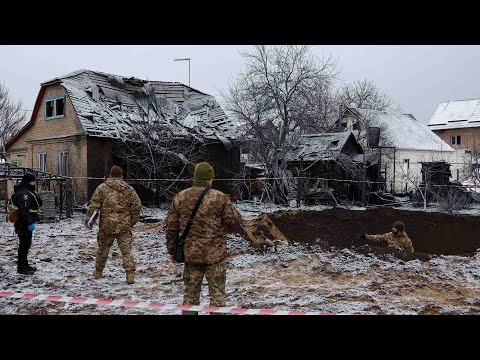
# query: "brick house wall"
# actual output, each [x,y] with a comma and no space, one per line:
[469,137]
[52,136]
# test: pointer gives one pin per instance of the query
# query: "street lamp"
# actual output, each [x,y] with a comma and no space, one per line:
[186,59]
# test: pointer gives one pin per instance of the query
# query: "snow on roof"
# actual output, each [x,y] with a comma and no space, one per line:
[313,147]
[113,106]
[456,114]
[404,131]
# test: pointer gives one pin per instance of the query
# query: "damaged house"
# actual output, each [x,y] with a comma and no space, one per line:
[327,160]
[85,121]
[405,143]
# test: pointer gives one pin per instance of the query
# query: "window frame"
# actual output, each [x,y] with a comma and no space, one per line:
[60,153]
[54,99]
[44,162]
[407,172]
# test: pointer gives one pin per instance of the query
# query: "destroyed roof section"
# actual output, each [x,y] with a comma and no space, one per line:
[456,114]
[314,147]
[110,106]
[404,131]
[59,78]
[371,158]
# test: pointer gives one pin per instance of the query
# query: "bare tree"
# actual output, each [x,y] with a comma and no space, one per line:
[269,99]
[167,157]
[364,94]
[320,109]
[155,151]
[452,198]
[12,116]
[471,162]
[372,103]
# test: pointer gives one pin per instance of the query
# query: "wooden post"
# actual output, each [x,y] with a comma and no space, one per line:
[6,198]
[364,181]
[300,183]
[68,198]
[394,169]
[62,184]
[379,167]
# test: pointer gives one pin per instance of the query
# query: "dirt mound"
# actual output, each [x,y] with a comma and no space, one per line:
[262,228]
[434,233]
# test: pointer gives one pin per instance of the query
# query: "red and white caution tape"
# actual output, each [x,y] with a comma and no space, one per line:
[154,305]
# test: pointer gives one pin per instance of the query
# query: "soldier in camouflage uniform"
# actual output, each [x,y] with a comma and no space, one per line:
[205,247]
[119,207]
[397,237]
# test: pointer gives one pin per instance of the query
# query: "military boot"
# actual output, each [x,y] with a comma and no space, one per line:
[25,271]
[130,277]
[97,274]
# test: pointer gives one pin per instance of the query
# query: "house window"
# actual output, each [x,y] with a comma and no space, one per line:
[456,140]
[63,163]
[55,108]
[406,166]
[42,162]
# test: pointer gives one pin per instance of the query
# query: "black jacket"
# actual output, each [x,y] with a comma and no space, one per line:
[27,202]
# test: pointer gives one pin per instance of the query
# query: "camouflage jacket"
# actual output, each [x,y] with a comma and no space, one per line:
[119,206]
[206,242]
[402,240]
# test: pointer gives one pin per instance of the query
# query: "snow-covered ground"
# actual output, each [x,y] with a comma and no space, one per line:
[298,277]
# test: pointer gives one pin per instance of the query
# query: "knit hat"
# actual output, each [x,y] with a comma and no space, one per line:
[203,172]
[400,226]
[116,172]
[28,177]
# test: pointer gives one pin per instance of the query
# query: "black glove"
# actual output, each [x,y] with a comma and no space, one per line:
[361,237]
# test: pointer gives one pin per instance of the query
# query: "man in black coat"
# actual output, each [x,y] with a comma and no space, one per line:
[27,203]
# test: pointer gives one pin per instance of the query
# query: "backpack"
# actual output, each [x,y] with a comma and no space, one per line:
[12,210]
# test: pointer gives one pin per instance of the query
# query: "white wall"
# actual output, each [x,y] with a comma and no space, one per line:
[402,183]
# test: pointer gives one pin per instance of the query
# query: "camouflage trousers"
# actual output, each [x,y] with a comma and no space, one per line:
[105,242]
[193,277]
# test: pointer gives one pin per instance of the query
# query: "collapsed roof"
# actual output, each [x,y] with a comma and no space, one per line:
[319,147]
[117,107]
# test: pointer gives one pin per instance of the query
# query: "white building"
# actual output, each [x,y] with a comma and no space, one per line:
[411,143]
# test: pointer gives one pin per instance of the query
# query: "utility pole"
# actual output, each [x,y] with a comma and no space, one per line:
[186,59]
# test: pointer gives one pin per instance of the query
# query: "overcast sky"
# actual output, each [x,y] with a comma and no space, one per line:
[417,77]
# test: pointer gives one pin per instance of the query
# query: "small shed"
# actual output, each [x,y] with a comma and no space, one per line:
[328,159]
